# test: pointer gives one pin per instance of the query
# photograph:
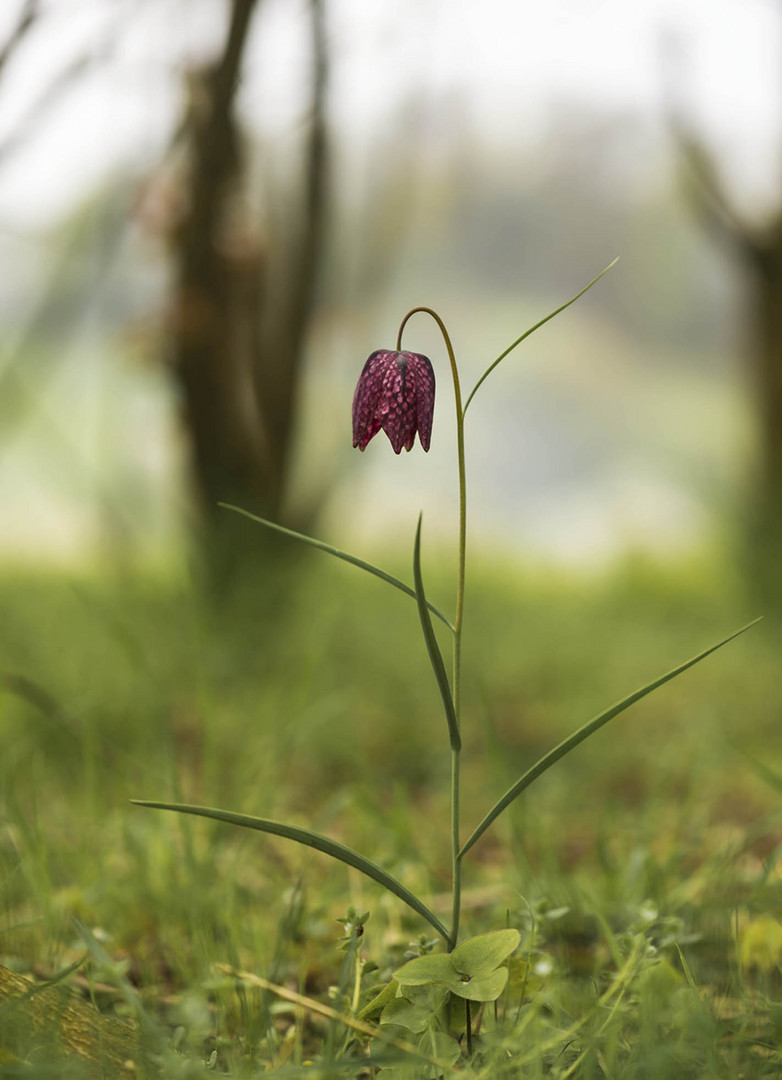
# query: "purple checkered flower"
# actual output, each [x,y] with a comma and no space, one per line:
[395,393]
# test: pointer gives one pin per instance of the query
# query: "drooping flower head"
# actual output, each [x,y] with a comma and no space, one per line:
[396,393]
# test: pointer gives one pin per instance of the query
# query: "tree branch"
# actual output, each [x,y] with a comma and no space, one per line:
[710,201]
[27,18]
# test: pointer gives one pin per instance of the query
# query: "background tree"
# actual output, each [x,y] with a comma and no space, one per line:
[756,248]
[239,315]
[240,299]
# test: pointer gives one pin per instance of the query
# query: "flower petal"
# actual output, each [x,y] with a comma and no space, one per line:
[424,397]
[397,403]
[366,399]
[395,392]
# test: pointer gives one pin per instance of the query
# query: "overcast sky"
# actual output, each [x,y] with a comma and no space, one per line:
[502,63]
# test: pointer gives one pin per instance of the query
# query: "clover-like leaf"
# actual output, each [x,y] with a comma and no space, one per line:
[483,987]
[405,1014]
[480,955]
[440,1046]
[472,971]
[434,968]
[431,997]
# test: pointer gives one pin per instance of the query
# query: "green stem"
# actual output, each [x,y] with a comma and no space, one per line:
[356,982]
[456,859]
[456,862]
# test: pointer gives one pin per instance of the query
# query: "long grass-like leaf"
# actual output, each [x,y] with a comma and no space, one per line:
[532,330]
[313,840]
[352,559]
[583,733]
[435,656]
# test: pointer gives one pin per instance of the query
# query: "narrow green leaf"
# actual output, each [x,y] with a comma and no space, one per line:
[686,968]
[352,559]
[313,840]
[480,955]
[435,656]
[583,733]
[532,330]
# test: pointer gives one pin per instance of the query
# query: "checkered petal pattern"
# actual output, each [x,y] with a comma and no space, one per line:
[395,393]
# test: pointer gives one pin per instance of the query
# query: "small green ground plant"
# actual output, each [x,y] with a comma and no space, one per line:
[432,1006]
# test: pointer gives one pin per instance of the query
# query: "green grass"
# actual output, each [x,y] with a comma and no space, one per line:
[313,703]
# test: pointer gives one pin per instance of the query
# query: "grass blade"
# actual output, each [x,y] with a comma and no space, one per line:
[771,776]
[435,656]
[313,840]
[583,733]
[686,969]
[532,330]
[313,1006]
[352,559]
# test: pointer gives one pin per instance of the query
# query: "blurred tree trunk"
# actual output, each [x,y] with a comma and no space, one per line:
[758,250]
[236,343]
[766,261]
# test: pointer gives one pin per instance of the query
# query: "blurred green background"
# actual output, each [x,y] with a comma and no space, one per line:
[204,233]
[210,213]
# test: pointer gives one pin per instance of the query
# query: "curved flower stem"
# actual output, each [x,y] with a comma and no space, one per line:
[456,863]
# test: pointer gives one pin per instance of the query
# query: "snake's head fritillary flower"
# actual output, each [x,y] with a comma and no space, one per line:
[395,393]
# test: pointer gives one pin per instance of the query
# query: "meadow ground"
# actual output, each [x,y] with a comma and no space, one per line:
[642,870]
